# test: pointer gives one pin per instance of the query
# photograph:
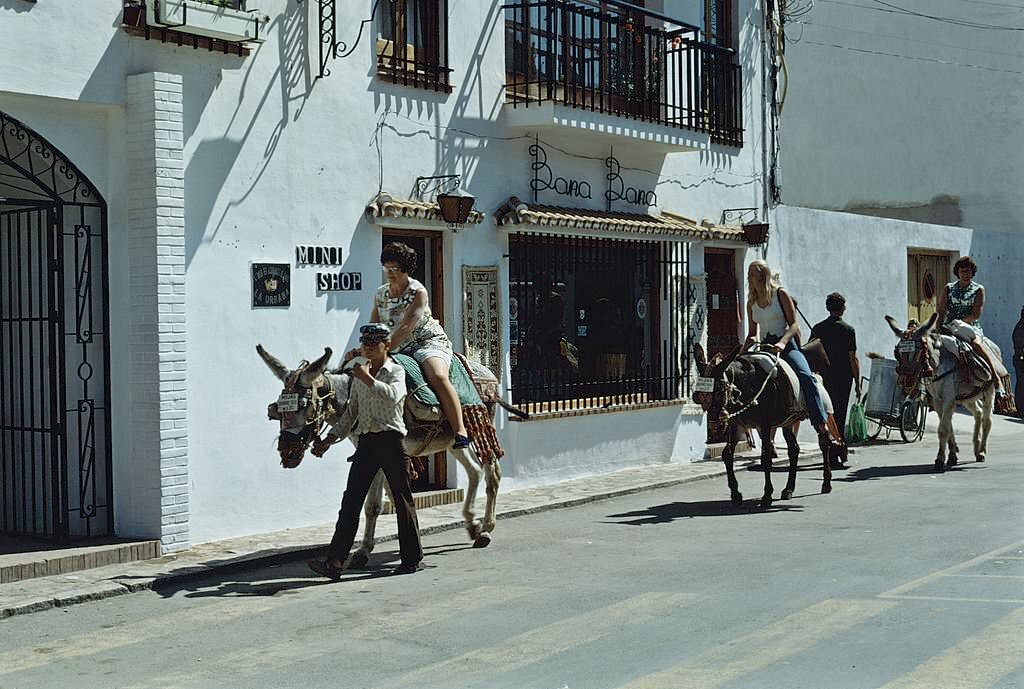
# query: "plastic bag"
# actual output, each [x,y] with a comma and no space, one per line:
[857,425]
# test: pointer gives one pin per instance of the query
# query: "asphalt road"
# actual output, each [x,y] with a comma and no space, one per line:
[900,578]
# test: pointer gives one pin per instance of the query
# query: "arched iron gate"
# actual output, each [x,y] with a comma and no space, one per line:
[55,446]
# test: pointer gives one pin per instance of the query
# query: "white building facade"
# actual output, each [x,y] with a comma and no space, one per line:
[900,147]
[182,181]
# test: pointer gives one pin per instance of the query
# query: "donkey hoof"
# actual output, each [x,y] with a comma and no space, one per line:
[357,560]
[482,541]
[765,502]
[474,531]
[787,494]
[951,462]
[737,498]
[979,458]
[826,488]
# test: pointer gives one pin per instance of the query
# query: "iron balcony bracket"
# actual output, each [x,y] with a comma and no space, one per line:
[330,47]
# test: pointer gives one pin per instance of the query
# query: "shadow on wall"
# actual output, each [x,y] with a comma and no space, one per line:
[214,159]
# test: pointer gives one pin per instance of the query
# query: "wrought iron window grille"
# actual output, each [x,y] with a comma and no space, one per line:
[598,322]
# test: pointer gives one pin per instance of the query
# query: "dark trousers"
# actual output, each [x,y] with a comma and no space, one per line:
[378,451]
[839,392]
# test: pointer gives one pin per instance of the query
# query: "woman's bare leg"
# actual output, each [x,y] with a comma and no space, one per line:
[436,371]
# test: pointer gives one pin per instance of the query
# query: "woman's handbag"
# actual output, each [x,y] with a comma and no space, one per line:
[817,358]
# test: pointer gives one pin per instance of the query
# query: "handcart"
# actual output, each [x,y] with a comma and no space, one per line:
[887,407]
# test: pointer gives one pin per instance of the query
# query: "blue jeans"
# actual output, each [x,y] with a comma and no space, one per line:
[815,407]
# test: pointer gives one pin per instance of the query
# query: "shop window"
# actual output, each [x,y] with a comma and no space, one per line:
[412,47]
[596,322]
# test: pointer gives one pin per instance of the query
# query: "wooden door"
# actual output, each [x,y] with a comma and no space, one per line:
[723,301]
[927,275]
[432,472]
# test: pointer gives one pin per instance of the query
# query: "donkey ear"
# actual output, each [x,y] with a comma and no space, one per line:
[313,371]
[927,327]
[700,358]
[273,363]
[895,328]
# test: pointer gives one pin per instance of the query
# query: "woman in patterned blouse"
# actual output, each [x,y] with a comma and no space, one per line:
[402,305]
[959,308]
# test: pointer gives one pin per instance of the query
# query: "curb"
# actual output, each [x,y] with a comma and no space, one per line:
[116,587]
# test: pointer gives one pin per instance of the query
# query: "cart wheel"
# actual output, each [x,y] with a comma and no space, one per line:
[912,419]
[873,426]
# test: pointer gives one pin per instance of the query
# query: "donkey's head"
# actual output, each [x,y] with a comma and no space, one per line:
[716,403]
[303,405]
[917,353]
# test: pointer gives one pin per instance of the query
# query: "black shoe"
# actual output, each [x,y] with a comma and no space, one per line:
[408,568]
[325,569]
[461,441]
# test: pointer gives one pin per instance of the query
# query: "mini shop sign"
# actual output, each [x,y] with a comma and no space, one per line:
[339,282]
[271,285]
[306,255]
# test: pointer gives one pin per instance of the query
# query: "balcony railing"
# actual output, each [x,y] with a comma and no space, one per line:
[624,62]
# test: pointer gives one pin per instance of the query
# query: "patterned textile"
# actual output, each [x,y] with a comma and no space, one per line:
[481,322]
[417,383]
[960,302]
[428,333]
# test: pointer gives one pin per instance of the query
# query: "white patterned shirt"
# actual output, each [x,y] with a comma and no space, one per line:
[378,407]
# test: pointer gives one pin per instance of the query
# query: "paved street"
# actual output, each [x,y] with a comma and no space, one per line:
[900,578]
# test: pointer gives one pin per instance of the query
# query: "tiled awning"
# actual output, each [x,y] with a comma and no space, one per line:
[666,225]
[384,206]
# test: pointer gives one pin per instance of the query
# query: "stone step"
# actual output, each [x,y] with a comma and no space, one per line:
[16,566]
[430,498]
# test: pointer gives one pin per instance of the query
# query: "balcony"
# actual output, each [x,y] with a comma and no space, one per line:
[617,61]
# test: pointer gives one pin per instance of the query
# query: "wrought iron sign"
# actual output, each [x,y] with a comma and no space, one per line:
[619,191]
[430,187]
[271,284]
[545,179]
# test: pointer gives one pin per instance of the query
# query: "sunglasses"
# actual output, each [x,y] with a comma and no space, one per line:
[390,270]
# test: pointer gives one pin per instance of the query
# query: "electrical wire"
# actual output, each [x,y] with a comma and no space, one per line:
[910,40]
[946,20]
[911,57]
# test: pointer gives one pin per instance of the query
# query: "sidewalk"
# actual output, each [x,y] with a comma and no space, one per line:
[42,593]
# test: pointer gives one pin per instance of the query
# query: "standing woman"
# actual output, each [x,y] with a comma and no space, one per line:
[402,305]
[772,320]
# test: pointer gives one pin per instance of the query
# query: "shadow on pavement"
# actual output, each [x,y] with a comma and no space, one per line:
[667,513]
[871,473]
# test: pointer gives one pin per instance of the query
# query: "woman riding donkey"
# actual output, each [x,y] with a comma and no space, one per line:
[772,316]
[402,305]
[959,310]
[753,390]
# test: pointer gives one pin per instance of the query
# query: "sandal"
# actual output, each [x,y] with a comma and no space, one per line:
[325,569]
[461,441]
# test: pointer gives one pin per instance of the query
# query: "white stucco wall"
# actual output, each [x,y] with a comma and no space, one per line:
[906,117]
[865,258]
[275,158]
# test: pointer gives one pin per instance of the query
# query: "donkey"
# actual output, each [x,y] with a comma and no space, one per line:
[752,391]
[319,398]
[922,355]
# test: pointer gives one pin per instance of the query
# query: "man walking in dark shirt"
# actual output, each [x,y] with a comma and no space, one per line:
[840,342]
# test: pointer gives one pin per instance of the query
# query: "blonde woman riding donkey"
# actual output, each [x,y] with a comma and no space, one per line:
[772,321]
[402,305]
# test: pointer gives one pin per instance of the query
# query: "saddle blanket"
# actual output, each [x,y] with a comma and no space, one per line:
[794,382]
[418,387]
[952,347]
